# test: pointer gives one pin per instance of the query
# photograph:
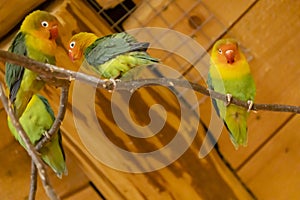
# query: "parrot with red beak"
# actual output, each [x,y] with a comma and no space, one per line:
[111,56]
[36,40]
[230,74]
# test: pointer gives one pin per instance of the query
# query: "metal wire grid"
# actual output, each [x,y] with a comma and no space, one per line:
[185,14]
[198,27]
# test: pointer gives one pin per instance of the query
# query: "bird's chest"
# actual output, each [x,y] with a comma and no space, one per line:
[31,82]
[41,50]
[35,123]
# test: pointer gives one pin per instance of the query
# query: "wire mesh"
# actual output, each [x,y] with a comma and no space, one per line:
[190,17]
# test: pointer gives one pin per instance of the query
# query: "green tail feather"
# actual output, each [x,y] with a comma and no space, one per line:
[53,154]
[236,123]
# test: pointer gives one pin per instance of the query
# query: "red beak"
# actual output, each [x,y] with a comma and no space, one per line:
[71,55]
[53,32]
[230,55]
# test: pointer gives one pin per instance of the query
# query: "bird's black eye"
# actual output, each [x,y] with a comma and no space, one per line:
[220,51]
[72,45]
[44,24]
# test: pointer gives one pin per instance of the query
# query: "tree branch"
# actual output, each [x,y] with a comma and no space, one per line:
[51,73]
[58,75]
[127,85]
[33,181]
[29,147]
[54,128]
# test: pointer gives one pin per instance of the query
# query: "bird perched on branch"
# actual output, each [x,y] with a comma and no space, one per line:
[36,120]
[36,40]
[230,74]
[110,56]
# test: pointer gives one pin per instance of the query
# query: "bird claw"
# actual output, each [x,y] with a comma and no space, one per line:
[250,105]
[228,99]
[46,134]
[112,82]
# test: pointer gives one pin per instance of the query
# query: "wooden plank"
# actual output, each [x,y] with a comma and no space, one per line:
[5,139]
[228,11]
[272,173]
[180,180]
[11,13]
[203,20]
[183,179]
[85,193]
[15,174]
[274,65]
[73,16]
[107,4]
[115,184]
[83,12]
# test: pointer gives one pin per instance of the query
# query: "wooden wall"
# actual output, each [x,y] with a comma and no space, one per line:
[267,169]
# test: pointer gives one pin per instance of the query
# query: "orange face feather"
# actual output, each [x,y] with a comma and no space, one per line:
[41,24]
[74,51]
[228,53]
[78,44]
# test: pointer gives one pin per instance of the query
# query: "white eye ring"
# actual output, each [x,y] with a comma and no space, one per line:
[220,51]
[72,44]
[44,23]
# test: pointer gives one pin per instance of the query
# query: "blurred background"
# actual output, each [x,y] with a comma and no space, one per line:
[268,32]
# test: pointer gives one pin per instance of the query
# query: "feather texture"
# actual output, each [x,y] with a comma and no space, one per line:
[230,74]
[110,56]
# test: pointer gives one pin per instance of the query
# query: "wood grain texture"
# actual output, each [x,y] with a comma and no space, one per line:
[107,4]
[15,174]
[272,173]
[270,39]
[87,192]
[202,20]
[11,14]
[182,179]
[5,139]
[272,43]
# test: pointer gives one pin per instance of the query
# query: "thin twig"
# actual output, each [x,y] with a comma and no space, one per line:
[59,118]
[29,147]
[33,182]
[203,90]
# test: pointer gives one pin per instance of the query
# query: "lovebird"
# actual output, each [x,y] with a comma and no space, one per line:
[229,74]
[36,40]
[36,120]
[110,56]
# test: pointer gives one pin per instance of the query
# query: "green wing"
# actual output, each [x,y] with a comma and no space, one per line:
[47,105]
[59,149]
[14,73]
[108,47]
[210,86]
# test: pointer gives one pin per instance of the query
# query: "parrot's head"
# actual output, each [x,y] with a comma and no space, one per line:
[226,51]
[41,24]
[78,44]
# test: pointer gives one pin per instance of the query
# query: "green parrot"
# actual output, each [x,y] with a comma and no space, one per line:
[230,74]
[36,120]
[36,40]
[110,56]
